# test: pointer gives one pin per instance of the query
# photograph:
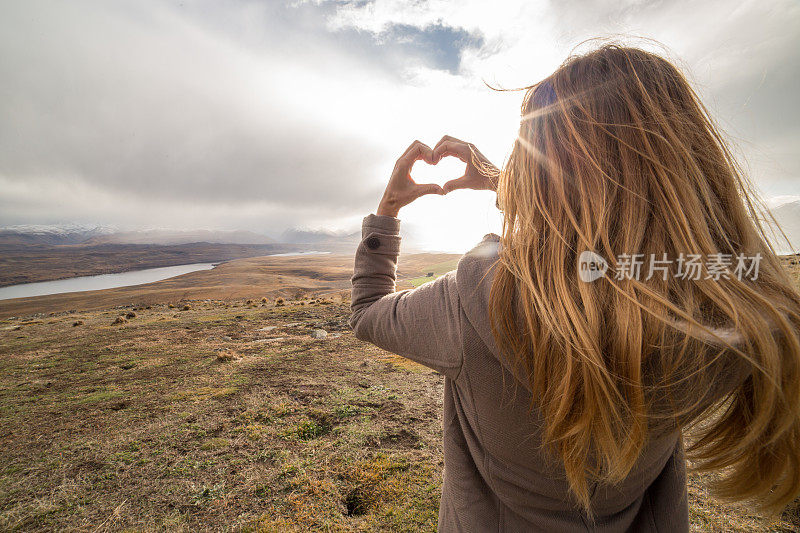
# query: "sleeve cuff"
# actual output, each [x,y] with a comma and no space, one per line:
[380,223]
[381,234]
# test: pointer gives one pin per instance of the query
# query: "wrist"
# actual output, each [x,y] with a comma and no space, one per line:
[387,208]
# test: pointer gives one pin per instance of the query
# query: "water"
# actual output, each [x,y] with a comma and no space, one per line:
[101,281]
[112,281]
[299,253]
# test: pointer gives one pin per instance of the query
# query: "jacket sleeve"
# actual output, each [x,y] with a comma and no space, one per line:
[421,324]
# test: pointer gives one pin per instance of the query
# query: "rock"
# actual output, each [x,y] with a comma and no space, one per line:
[131,315]
[225,356]
[120,320]
[40,385]
[268,328]
[226,338]
[293,324]
[77,323]
[116,406]
[319,334]
[185,308]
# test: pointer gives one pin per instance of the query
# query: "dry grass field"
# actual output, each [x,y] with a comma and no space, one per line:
[256,277]
[216,413]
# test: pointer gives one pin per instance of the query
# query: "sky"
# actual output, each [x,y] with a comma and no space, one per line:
[265,115]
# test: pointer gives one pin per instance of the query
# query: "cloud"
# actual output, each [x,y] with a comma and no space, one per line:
[265,115]
[146,104]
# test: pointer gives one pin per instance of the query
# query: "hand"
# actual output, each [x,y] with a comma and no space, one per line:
[480,174]
[402,190]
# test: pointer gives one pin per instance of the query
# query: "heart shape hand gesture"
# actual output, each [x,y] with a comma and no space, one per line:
[480,174]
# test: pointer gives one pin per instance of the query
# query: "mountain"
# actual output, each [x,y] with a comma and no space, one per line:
[98,235]
[52,234]
[169,237]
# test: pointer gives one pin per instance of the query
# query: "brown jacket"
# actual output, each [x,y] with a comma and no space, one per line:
[496,478]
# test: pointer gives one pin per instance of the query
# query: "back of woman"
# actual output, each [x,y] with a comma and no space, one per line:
[630,302]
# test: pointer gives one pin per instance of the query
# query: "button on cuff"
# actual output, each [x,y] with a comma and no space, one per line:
[381,243]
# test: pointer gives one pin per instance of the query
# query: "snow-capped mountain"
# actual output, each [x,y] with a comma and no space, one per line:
[52,233]
[96,235]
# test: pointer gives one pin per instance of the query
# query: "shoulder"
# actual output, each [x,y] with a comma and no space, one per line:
[474,276]
[479,259]
[474,271]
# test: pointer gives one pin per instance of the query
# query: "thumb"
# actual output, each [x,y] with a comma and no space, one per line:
[429,188]
[458,183]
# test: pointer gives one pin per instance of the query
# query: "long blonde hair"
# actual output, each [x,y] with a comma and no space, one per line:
[616,155]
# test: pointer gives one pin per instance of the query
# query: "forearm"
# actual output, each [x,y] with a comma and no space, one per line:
[422,324]
[375,269]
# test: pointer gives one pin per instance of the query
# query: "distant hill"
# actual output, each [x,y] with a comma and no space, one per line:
[98,235]
[52,234]
[169,237]
[103,235]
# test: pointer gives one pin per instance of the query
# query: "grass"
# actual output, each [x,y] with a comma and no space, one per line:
[143,426]
[435,270]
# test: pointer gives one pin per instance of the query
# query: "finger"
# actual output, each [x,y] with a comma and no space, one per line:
[461,151]
[458,183]
[411,146]
[444,139]
[414,147]
[416,151]
[449,138]
[428,188]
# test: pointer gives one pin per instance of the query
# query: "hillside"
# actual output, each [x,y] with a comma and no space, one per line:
[227,416]
[201,413]
[255,277]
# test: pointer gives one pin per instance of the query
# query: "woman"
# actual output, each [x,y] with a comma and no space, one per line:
[572,382]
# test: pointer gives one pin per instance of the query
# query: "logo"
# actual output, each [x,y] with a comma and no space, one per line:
[591,266]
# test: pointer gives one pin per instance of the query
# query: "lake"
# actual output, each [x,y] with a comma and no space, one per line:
[101,281]
[112,281]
